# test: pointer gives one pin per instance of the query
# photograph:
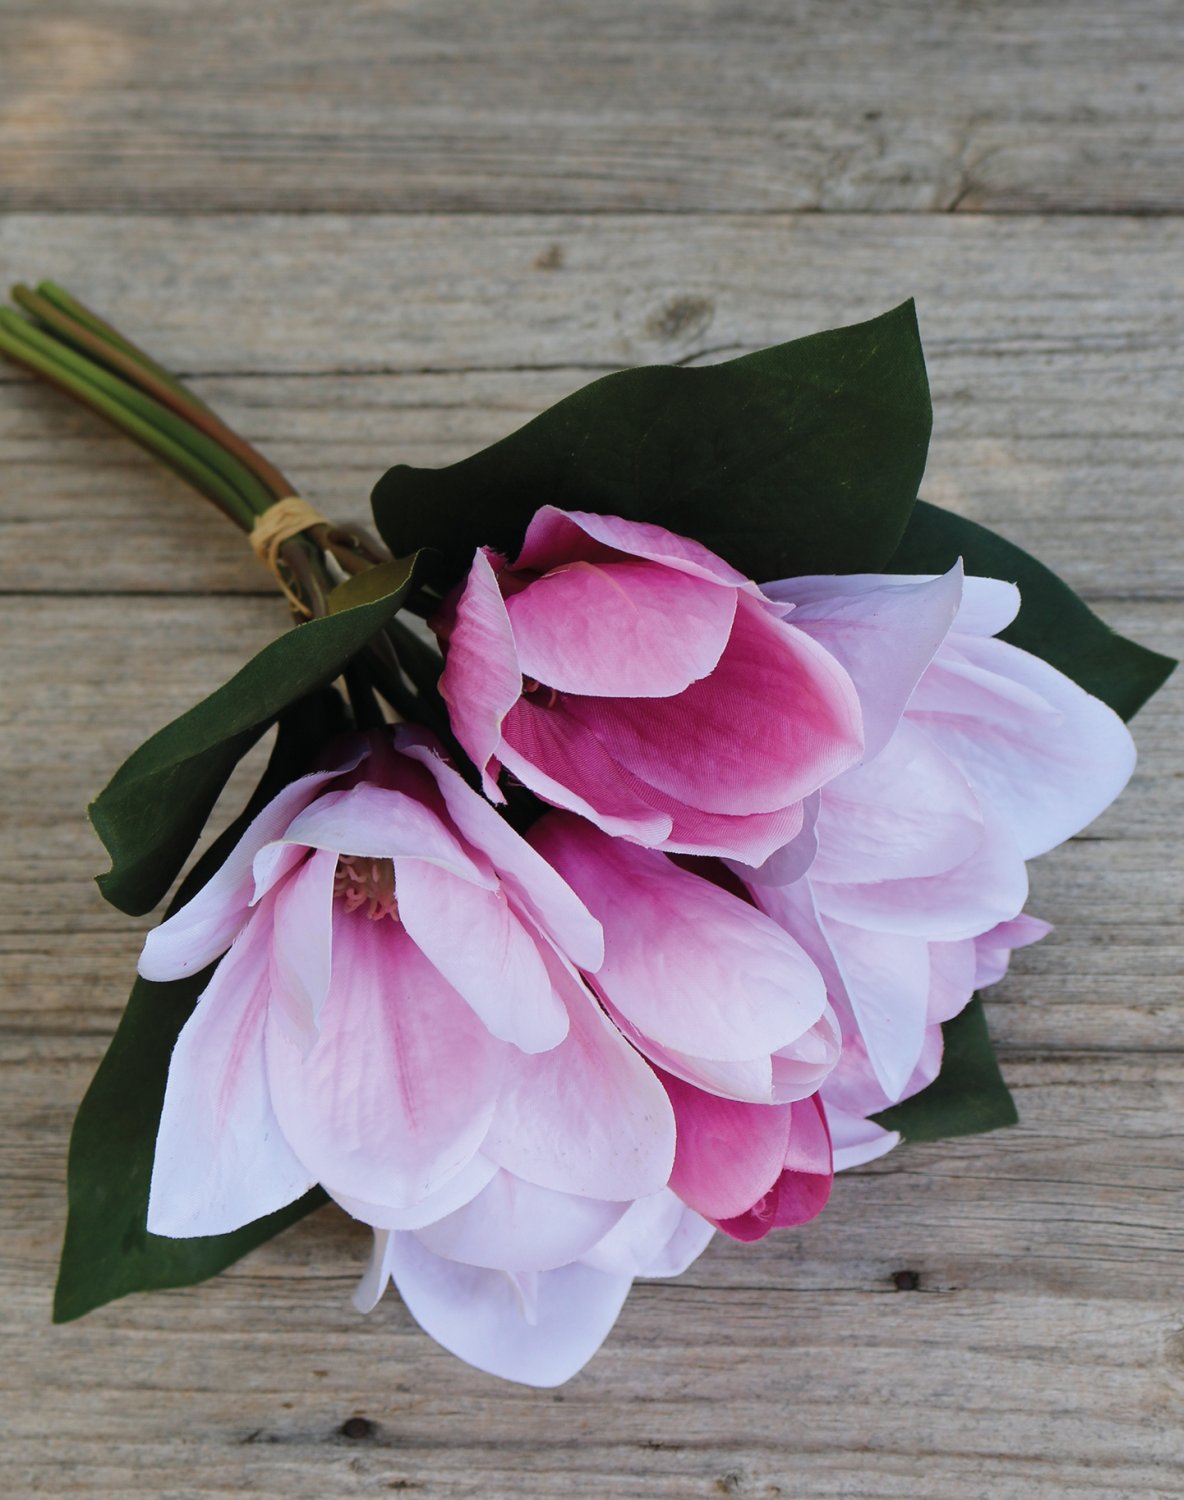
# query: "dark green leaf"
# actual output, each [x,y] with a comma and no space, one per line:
[108,1251]
[801,458]
[967,1097]
[155,806]
[365,588]
[1052,623]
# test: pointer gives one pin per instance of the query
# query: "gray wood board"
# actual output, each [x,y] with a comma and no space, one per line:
[407,105]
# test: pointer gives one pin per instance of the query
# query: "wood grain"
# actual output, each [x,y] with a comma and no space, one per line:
[529,106]
[468,211]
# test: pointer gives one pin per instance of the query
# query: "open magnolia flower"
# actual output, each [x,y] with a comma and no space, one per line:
[417,1010]
[663,887]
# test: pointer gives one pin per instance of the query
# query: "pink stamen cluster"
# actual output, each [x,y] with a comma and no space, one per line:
[364,882]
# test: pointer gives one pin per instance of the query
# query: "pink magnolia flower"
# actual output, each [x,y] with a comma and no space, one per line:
[907,882]
[630,675]
[395,1016]
[418,1010]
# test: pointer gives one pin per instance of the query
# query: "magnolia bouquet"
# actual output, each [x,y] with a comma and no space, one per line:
[643,815]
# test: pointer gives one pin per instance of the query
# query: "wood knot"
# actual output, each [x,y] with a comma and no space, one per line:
[681,317]
[906,1281]
[550,259]
[357,1428]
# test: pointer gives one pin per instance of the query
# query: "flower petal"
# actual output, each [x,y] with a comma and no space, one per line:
[951,979]
[483,1317]
[199,931]
[533,884]
[556,536]
[856,1140]
[481,680]
[754,836]
[990,886]
[514,1225]
[658,1236]
[594,784]
[221,1159]
[588,1117]
[909,811]
[993,949]
[688,964]
[302,944]
[789,861]
[379,823]
[1047,774]
[988,606]
[395,1096]
[803,1189]
[886,978]
[482,949]
[776,719]
[619,629]
[728,1154]
[455,1193]
[883,630]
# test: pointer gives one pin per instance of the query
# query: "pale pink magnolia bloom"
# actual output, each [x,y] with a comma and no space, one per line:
[632,676]
[396,1015]
[414,1009]
[907,882]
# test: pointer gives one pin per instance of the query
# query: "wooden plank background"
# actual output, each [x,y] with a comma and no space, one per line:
[389,230]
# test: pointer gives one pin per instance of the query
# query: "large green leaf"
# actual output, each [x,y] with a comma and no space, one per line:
[108,1251]
[801,458]
[967,1097]
[1052,623]
[154,808]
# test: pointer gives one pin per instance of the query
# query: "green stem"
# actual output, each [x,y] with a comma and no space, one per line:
[61,299]
[253,494]
[180,458]
[165,391]
[70,346]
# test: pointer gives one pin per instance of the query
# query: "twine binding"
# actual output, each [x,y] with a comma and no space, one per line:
[278,524]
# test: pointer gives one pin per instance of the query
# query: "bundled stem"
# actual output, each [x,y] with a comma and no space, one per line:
[67,344]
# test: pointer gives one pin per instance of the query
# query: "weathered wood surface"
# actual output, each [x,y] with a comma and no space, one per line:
[412,105]
[1042,1354]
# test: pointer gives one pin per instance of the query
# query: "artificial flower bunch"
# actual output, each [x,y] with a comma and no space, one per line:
[643,885]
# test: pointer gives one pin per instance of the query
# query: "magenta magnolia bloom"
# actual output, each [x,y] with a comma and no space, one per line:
[630,675]
[906,886]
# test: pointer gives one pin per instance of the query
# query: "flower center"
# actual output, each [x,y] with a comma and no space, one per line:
[364,882]
[530,687]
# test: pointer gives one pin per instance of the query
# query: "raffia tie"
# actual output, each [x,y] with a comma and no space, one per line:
[278,524]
